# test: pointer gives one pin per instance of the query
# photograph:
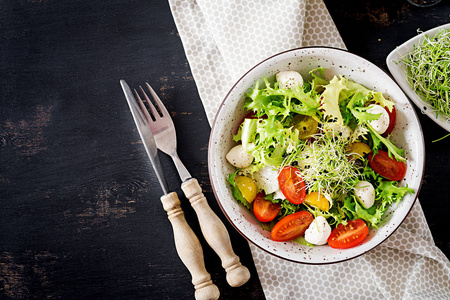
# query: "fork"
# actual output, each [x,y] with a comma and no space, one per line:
[211,226]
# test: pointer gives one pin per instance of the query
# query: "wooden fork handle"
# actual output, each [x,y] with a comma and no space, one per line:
[216,234]
[189,249]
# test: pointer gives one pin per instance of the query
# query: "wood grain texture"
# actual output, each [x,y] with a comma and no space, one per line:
[80,214]
[216,234]
[189,249]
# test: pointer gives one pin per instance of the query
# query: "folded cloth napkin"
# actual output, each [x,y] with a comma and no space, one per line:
[222,40]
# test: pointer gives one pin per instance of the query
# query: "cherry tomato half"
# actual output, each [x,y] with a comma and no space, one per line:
[292,185]
[392,118]
[265,210]
[387,167]
[306,126]
[292,226]
[347,236]
[317,200]
[247,187]
[358,150]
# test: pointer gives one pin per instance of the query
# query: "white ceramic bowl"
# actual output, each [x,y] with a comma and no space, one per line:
[407,134]
[397,70]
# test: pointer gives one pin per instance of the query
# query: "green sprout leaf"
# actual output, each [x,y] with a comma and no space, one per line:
[427,69]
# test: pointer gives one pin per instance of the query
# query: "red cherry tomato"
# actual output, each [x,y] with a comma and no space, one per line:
[265,210]
[292,226]
[392,117]
[387,167]
[292,185]
[347,236]
[251,115]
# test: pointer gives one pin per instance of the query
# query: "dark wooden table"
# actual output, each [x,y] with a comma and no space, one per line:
[80,216]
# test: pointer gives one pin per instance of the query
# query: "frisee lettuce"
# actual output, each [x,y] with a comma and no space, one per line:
[271,140]
[267,140]
[387,193]
[378,139]
[275,101]
[340,90]
[390,192]
[318,79]
[330,99]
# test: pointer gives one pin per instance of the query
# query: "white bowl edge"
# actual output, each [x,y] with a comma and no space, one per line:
[407,134]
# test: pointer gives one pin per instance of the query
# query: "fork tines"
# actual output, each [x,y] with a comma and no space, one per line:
[157,111]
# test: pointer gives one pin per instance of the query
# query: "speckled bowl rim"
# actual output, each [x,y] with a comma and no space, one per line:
[210,158]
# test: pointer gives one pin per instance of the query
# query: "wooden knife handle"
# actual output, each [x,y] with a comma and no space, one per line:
[216,234]
[189,249]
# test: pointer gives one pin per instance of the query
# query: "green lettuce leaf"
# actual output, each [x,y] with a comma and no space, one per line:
[379,99]
[355,211]
[276,101]
[349,207]
[247,134]
[370,95]
[387,192]
[372,218]
[319,80]
[390,192]
[268,140]
[330,98]
[392,149]
[362,116]
[267,225]
[334,216]
[288,208]
[302,241]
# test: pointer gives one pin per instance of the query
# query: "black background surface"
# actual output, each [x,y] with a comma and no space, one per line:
[80,215]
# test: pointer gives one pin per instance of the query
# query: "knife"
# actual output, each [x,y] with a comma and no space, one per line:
[186,242]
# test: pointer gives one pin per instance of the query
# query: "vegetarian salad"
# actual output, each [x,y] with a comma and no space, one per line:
[314,162]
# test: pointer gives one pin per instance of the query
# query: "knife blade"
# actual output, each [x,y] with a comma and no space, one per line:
[186,242]
[146,135]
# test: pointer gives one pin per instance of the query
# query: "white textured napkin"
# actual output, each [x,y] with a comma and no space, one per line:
[222,40]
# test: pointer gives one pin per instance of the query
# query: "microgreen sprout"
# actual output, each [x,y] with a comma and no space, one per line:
[427,69]
[440,139]
[324,165]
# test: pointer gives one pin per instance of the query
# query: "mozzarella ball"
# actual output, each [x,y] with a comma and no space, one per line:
[382,124]
[365,193]
[238,157]
[338,130]
[267,179]
[318,231]
[289,79]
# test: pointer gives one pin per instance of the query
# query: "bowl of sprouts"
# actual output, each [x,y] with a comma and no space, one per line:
[421,66]
[316,155]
